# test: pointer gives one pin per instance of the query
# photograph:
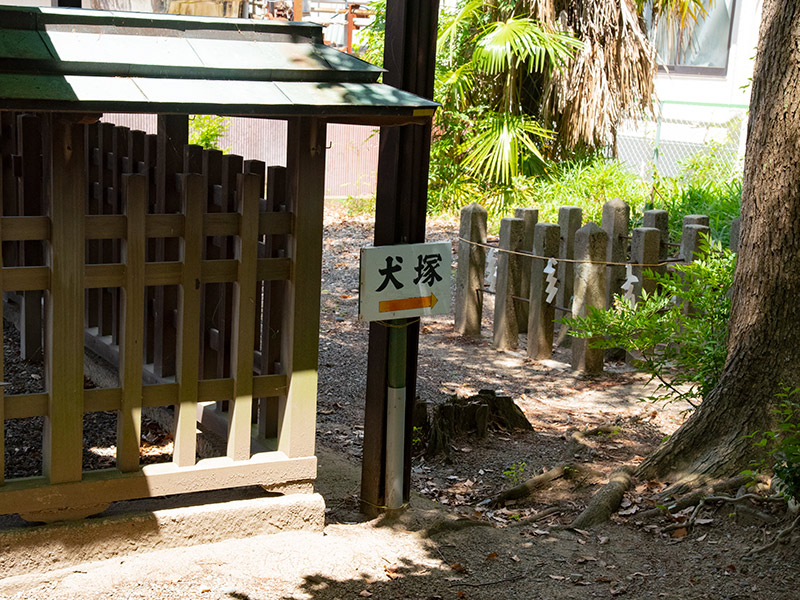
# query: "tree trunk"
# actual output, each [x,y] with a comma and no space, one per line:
[764,341]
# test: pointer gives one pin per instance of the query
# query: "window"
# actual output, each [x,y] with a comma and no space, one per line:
[701,48]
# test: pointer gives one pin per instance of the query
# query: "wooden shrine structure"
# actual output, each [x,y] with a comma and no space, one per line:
[197,273]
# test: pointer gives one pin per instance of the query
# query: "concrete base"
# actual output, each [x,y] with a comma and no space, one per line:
[30,549]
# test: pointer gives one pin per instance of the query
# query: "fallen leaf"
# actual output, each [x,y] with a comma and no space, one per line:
[459,568]
[629,511]
[491,556]
[515,558]
[556,577]
[365,594]
[679,533]
[703,521]
[702,537]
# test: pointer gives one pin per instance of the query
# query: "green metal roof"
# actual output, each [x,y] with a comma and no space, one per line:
[103,61]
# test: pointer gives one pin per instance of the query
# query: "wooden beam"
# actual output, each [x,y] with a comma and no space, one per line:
[193,191]
[63,427]
[243,334]
[300,342]
[129,419]
[404,154]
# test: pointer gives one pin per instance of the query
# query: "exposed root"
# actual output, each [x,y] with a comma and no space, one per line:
[606,501]
[534,484]
[689,523]
[783,533]
[692,499]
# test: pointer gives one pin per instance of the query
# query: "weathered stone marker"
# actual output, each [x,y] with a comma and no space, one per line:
[645,249]
[736,229]
[506,327]
[693,228]
[529,216]
[616,216]
[591,244]
[659,219]
[471,266]
[569,221]
[546,241]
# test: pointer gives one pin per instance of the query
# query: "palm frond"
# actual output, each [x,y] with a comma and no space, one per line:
[453,87]
[503,45]
[464,18]
[505,142]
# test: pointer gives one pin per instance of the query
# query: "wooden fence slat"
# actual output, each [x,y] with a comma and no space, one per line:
[32,203]
[105,201]
[173,133]
[187,351]
[63,427]
[2,365]
[26,278]
[22,406]
[273,294]
[25,228]
[129,420]
[243,334]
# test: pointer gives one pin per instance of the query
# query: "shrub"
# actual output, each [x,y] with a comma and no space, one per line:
[679,333]
[207,131]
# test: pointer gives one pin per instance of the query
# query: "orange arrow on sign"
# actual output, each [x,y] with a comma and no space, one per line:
[407,303]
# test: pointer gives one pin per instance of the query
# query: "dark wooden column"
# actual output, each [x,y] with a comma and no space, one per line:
[409,54]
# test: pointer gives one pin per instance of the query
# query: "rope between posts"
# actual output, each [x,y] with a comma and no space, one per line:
[570,260]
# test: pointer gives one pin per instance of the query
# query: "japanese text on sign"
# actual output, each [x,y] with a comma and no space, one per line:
[404,281]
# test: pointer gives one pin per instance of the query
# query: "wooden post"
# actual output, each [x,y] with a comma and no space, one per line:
[645,249]
[471,266]
[244,304]
[569,221]
[93,195]
[31,195]
[300,344]
[402,191]
[546,241]
[63,426]
[506,326]
[616,218]
[529,216]
[132,305]
[591,244]
[193,194]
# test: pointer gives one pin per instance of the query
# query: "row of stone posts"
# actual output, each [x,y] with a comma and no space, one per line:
[591,267]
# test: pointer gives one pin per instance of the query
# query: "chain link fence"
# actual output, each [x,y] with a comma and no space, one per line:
[682,133]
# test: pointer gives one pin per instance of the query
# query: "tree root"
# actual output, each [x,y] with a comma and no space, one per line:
[692,499]
[781,534]
[606,501]
[530,486]
[730,499]
[553,510]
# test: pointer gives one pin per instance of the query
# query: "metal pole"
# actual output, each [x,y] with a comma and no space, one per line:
[396,413]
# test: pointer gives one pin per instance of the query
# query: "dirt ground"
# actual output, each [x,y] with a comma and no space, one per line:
[448,544]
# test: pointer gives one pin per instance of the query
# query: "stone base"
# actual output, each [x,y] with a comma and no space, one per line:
[59,545]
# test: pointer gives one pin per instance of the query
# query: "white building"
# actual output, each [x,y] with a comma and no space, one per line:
[702,91]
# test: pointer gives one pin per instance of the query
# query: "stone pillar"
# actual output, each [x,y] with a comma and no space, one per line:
[529,216]
[693,227]
[546,241]
[471,267]
[569,221]
[736,228]
[506,328]
[591,244]
[659,219]
[616,217]
[645,249]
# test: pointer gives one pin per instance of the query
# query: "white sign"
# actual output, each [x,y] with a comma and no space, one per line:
[408,280]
